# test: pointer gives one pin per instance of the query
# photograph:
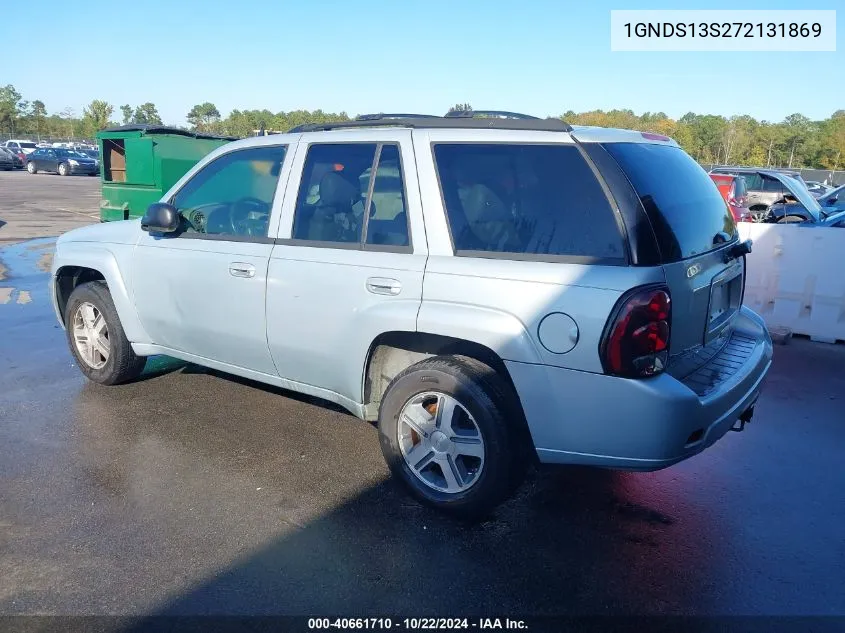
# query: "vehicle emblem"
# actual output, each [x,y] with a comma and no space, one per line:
[693,270]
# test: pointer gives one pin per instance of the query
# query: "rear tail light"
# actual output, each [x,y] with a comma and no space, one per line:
[636,339]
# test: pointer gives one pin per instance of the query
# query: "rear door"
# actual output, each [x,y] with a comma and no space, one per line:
[694,229]
[349,261]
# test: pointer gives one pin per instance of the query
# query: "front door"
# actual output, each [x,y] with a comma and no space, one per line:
[351,261]
[202,291]
[47,161]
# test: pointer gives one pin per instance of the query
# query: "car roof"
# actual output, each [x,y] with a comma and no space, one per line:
[755,170]
[488,120]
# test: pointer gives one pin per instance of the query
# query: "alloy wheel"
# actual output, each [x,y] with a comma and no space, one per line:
[441,442]
[91,335]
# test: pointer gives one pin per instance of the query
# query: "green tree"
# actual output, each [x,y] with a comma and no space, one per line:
[39,116]
[797,129]
[203,116]
[126,110]
[146,113]
[460,107]
[96,116]
[11,108]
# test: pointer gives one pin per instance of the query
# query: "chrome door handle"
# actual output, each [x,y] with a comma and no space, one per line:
[239,269]
[384,286]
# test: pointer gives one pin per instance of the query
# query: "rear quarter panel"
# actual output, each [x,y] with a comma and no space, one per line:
[499,302]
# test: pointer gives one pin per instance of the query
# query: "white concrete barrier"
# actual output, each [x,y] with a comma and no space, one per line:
[796,278]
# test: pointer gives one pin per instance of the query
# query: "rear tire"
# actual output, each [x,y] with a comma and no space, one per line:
[447,469]
[96,338]
[64,170]
[31,168]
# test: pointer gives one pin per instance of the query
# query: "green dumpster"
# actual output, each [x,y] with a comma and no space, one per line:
[140,163]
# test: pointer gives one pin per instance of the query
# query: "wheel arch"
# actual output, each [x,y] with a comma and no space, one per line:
[75,266]
[390,353]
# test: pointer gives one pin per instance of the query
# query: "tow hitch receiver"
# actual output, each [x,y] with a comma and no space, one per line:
[744,419]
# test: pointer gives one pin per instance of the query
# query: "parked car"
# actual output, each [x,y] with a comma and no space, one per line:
[62,161]
[7,160]
[17,158]
[19,144]
[735,193]
[766,187]
[469,284]
[804,208]
[20,154]
[817,188]
[833,200]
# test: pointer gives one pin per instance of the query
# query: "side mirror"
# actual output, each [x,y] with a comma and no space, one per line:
[161,218]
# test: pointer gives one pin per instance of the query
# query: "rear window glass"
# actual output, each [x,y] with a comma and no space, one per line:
[533,201]
[686,211]
[27,145]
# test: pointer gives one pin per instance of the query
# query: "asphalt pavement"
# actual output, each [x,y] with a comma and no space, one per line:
[192,492]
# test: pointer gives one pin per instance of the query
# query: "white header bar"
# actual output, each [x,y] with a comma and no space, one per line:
[723,30]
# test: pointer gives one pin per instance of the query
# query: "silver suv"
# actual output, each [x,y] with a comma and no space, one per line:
[490,291]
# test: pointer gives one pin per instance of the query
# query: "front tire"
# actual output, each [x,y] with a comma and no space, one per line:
[31,168]
[96,338]
[449,430]
[64,170]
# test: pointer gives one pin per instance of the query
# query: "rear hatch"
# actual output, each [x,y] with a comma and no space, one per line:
[695,231]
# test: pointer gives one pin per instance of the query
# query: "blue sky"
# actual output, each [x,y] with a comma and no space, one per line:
[537,56]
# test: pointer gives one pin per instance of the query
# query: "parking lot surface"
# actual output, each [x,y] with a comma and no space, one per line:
[191,492]
[42,205]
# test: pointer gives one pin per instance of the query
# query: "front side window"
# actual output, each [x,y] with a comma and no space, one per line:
[528,200]
[352,193]
[232,195]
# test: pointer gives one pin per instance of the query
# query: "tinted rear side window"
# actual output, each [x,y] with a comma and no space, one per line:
[686,211]
[526,201]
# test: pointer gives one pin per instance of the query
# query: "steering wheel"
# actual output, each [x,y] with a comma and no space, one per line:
[248,214]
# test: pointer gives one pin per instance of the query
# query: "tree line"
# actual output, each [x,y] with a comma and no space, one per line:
[797,141]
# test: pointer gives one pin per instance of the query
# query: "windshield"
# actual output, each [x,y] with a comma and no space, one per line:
[688,214]
[802,194]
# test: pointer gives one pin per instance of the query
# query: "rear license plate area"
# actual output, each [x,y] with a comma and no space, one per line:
[725,301]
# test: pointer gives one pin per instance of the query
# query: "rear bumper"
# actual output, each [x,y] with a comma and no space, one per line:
[593,419]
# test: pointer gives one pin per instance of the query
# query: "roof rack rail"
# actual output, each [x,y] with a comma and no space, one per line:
[489,114]
[436,122]
[382,115]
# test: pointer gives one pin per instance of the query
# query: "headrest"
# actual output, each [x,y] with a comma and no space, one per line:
[336,191]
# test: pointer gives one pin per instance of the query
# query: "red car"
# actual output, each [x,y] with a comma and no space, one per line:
[735,193]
